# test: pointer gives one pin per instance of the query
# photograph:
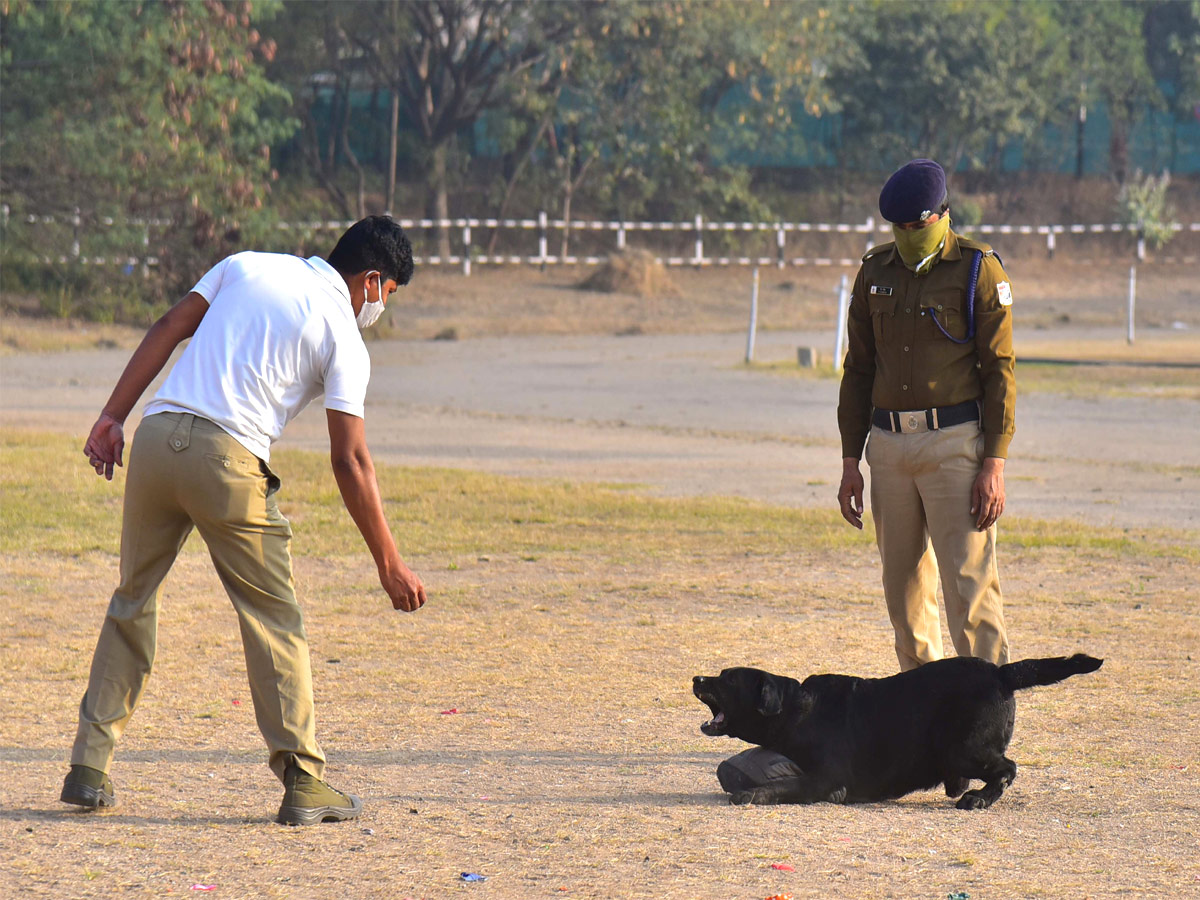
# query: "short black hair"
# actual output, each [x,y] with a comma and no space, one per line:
[376,242]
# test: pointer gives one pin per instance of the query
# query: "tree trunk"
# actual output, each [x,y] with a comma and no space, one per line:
[438,204]
[1118,149]
[566,215]
[512,181]
[389,196]
[358,170]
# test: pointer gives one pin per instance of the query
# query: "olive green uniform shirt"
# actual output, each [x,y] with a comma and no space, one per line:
[897,359]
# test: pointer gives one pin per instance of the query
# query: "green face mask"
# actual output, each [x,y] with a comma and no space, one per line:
[919,248]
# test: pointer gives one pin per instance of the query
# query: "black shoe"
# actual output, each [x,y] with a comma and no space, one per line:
[88,787]
[308,800]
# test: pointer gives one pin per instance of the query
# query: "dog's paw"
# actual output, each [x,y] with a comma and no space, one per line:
[972,800]
[838,796]
[741,798]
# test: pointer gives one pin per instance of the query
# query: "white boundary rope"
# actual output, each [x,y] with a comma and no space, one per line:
[543,225]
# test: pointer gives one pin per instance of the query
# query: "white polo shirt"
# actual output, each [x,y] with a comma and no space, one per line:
[278,333]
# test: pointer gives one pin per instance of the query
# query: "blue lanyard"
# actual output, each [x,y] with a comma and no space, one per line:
[971,283]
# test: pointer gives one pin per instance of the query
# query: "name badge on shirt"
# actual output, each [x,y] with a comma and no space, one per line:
[884,291]
[1004,292]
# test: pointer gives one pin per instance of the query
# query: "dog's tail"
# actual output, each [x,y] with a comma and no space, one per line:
[1032,672]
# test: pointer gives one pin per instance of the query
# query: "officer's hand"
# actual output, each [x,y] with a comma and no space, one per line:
[850,494]
[987,496]
[402,586]
[105,445]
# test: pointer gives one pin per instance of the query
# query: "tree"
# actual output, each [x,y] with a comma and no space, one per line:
[447,63]
[156,109]
[954,81]
[327,75]
[658,99]
[1107,51]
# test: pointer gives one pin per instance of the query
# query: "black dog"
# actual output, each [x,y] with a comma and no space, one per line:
[863,739]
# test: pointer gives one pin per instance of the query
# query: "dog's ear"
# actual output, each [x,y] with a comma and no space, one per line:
[770,698]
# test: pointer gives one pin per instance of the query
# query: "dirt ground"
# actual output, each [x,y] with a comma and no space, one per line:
[534,723]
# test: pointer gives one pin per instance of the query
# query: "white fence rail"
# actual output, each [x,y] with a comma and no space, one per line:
[544,226]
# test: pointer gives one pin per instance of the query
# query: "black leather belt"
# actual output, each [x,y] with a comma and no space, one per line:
[912,420]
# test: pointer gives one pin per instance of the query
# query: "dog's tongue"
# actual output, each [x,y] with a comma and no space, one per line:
[717,719]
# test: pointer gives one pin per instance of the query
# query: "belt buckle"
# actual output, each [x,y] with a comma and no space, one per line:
[912,421]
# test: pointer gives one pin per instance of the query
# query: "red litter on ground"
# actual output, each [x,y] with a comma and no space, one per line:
[204,887]
[449,712]
[783,867]
[237,702]
[779,897]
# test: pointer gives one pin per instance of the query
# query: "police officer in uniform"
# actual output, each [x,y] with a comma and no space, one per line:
[929,377]
[929,388]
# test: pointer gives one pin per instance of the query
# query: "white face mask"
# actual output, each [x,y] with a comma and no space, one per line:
[371,309]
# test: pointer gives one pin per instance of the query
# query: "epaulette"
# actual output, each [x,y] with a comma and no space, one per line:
[875,251]
[971,244]
[985,249]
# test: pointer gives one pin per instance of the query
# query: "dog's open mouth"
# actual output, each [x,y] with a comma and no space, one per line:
[715,725]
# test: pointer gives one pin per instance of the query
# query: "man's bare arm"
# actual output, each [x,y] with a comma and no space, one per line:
[354,472]
[106,443]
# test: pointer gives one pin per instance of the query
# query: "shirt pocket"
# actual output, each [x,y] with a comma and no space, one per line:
[947,309]
[883,317]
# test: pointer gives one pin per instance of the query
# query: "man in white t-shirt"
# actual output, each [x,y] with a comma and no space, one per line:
[269,334]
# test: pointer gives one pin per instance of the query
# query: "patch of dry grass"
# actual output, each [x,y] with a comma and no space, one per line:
[23,334]
[564,625]
[635,272]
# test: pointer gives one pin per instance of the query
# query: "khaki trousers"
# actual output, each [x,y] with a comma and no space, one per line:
[185,471]
[921,502]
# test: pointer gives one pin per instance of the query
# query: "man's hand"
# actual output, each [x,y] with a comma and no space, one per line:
[403,586]
[105,445]
[987,496]
[850,494]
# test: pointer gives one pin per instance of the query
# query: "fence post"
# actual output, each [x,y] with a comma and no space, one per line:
[1050,243]
[839,338]
[620,235]
[699,240]
[146,251]
[870,233]
[76,221]
[779,246]
[750,332]
[467,249]
[1141,245]
[1132,300]
[542,239]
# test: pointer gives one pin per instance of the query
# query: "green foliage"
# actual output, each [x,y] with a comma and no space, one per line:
[162,122]
[1102,55]
[124,109]
[1142,201]
[643,127]
[965,212]
[952,81]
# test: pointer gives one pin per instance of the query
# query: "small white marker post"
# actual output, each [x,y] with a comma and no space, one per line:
[1132,300]
[839,338]
[753,318]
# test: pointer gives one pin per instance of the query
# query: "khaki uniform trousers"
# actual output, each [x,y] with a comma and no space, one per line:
[185,471]
[921,488]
